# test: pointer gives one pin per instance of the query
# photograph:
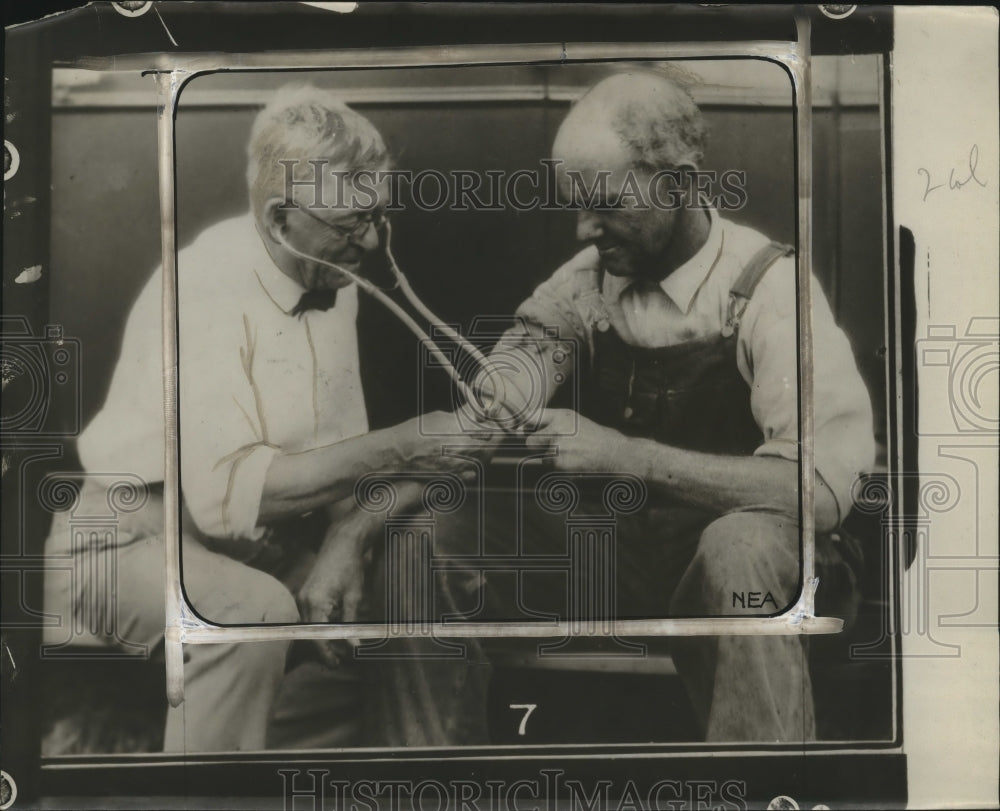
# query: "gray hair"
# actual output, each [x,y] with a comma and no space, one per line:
[302,123]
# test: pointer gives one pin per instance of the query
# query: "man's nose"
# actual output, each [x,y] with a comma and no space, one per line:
[588,226]
[368,239]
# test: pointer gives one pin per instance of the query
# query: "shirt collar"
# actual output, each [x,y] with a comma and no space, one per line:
[281,288]
[682,285]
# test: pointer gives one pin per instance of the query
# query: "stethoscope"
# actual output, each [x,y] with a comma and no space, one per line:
[486,372]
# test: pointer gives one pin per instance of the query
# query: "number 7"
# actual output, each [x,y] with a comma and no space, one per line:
[528,709]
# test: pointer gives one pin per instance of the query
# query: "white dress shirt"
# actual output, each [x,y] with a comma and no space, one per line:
[253,380]
[692,302]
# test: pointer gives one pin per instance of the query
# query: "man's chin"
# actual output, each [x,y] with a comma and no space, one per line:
[334,280]
[341,281]
[617,265]
[351,267]
[627,266]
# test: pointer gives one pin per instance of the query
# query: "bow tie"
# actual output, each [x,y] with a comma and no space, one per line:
[315,300]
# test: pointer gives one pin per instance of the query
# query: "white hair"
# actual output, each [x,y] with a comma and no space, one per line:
[303,123]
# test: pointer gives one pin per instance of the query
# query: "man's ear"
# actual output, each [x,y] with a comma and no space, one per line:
[688,168]
[274,218]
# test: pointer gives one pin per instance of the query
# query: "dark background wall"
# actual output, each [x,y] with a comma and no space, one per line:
[105,217]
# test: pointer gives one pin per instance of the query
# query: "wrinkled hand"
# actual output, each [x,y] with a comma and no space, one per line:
[334,589]
[421,441]
[580,444]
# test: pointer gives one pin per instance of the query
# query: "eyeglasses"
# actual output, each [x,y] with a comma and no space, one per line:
[355,232]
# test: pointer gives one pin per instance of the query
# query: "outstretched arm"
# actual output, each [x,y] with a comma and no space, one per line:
[307,480]
[715,483]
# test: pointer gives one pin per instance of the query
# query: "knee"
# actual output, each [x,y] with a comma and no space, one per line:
[748,534]
[743,559]
[739,544]
[263,600]
[277,605]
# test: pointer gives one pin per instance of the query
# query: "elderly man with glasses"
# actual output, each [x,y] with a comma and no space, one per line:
[273,427]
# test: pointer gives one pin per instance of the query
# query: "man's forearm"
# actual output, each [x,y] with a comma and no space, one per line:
[297,483]
[300,482]
[721,484]
[528,371]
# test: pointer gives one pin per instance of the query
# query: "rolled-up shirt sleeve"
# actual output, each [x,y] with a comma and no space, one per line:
[225,452]
[560,301]
[844,444]
[557,316]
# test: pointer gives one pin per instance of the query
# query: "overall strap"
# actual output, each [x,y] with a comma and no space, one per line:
[743,288]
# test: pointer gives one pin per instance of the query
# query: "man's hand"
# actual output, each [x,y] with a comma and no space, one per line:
[334,589]
[581,444]
[420,442]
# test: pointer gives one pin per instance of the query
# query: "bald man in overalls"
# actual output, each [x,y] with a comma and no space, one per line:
[687,332]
